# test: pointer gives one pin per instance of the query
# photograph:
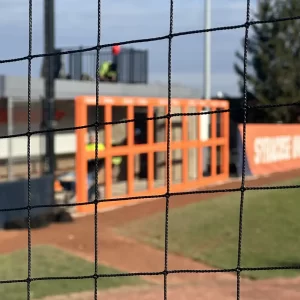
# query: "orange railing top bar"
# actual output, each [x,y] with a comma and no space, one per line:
[145,101]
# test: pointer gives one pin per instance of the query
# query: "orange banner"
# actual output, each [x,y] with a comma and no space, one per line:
[271,148]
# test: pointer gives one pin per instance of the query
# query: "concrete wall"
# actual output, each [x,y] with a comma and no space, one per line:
[17,87]
[65,143]
[65,91]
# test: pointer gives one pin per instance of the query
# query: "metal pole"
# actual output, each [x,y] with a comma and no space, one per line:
[206,119]
[10,129]
[49,85]
[207,51]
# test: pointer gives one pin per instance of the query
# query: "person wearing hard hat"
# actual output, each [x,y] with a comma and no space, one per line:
[108,70]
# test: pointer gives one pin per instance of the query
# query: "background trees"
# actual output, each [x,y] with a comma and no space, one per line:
[273,61]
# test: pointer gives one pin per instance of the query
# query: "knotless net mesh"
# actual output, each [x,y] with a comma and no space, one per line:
[246,107]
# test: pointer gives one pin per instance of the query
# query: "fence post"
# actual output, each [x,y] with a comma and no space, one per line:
[146,66]
[71,66]
[49,43]
[131,65]
[80,63]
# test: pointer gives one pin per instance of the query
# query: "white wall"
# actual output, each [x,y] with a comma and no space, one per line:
[65,142]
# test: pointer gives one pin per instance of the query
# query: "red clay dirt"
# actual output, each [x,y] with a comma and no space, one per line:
[130,256]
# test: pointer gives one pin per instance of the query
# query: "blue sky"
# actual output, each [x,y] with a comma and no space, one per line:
[76,24]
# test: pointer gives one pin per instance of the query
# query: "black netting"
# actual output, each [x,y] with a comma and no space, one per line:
[246,107]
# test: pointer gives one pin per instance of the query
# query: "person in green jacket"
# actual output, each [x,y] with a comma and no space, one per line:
[116,161]
[108,71]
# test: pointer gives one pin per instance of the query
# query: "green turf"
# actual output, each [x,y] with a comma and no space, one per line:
[51,262]
[208,231]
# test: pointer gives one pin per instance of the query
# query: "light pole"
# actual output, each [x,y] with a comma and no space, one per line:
[49,108]
[205,119]
[207,50]
[49,97]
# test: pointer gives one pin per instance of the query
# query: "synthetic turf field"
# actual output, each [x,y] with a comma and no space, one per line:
[129,255]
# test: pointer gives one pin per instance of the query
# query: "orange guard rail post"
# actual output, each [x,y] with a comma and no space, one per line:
[151,147]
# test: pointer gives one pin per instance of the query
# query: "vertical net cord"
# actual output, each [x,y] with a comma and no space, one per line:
[168,147]
[96,151]
[245,104]
[28,148]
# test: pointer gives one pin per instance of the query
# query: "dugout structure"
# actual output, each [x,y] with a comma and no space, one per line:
[217,141]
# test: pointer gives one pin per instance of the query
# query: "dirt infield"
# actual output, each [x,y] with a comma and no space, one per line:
[129,256]
[202,290]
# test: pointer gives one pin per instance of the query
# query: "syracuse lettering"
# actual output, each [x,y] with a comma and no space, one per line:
[276,149]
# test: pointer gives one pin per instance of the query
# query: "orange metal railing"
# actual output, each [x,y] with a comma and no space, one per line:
[151,147]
